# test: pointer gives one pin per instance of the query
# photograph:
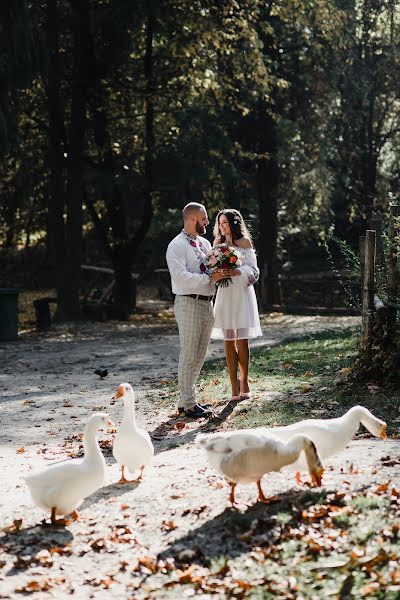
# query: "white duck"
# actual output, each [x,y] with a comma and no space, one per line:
[62,487]
[245,456]
[132,447]
[330,436]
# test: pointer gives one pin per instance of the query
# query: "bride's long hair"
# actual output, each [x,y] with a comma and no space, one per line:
[236,222]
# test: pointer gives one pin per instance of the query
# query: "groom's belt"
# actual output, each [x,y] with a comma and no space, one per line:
[199,297]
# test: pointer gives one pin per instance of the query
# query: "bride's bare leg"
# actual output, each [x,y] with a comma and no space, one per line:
[231,355]
[244,359]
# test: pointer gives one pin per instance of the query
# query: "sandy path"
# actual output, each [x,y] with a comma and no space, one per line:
[47,390]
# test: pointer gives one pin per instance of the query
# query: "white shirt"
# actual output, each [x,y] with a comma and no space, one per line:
[184,267]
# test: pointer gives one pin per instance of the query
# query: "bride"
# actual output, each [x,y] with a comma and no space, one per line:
[235,309]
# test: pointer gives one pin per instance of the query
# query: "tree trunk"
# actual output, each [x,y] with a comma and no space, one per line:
[267,191]
[56,134]
[69,307]
[368,295]
[393,276]
[11,240]
[125,295]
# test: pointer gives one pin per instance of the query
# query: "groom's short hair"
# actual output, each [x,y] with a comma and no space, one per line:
[192,207]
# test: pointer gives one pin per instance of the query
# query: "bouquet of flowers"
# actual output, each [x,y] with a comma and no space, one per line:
[224,257]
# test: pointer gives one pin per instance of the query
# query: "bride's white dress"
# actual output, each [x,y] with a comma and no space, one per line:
[235,308]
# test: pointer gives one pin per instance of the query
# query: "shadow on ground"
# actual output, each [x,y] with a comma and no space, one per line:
[169,435]
[230,533]
[26,543]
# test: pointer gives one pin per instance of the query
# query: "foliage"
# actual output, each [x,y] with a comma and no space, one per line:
[302,379]
[346,266]
[288,111]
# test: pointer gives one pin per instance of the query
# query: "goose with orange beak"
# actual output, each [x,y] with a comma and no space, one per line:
[245,456]
[62,487]
[330,436]
[133,448]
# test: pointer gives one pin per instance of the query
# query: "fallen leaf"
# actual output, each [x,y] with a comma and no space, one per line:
[62,551]
[146,564]
[381,489]
[245,585]
[168,525]
[16,526]
[357,553]
[370,562]
[106,582]
[308,388]
[369,588]
[20,450]
[98,545]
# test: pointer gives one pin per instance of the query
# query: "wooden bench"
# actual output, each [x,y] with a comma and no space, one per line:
[96,299]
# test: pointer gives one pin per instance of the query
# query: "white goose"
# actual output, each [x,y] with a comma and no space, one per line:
[330,436]
[62,487]
[132,447]
[245,456]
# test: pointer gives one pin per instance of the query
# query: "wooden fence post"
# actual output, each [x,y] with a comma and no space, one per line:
[368,293]
[362,261]
[375,223]
[393,272]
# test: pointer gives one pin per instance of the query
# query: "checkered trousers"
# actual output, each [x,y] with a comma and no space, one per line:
[195,320]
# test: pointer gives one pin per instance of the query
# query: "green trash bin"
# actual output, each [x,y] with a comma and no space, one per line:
[8,314]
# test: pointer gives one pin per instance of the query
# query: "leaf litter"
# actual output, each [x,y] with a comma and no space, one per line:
[139,544]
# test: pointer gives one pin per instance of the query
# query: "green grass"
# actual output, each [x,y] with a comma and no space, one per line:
[294,550]
[302,379]
[312,543]
[306,378]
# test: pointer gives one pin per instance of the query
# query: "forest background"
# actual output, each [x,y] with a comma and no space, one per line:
[114,114]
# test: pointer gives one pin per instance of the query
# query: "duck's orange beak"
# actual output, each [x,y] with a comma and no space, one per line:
[119,393]
[383,434]
[316,477]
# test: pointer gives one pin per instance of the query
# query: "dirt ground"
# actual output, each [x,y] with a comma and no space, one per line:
[47,390]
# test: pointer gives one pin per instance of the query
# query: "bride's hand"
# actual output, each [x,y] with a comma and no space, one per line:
[234,272]
[220,274]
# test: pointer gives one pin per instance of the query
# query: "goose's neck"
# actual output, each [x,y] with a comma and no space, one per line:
[355,416]
[129,411]
[311,453]
[91,445]
[295,446]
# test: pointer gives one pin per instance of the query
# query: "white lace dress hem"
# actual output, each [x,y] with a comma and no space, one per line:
[235,309]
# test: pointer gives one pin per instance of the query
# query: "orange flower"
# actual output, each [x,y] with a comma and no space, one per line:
[232,259]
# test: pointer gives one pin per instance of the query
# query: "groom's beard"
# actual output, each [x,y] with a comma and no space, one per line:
[200,229]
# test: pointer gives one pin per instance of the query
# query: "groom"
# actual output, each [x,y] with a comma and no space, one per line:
[194,290]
